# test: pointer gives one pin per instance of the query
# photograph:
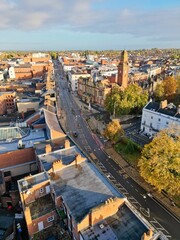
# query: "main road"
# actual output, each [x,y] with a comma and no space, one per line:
[152,210]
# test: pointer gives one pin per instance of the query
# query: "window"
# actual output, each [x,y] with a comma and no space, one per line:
[167,123]
[7,174]
[159,119]
[151,117]
[41,190]
[50,219]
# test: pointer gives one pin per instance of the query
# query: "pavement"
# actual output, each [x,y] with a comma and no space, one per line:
[133,173]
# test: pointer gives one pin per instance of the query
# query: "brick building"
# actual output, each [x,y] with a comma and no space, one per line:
[89,202]
[94,92]
[7,103]
[37,202]
[123,70]
[13,165]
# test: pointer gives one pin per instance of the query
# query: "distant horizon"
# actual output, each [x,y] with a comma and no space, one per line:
[81,50]
[45,25]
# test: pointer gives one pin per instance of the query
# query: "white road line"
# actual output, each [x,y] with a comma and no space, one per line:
[166,210]
[136,190]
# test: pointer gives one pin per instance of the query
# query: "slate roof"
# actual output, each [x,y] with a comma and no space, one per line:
[17,157]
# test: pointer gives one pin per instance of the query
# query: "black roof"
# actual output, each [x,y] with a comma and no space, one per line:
[169,110]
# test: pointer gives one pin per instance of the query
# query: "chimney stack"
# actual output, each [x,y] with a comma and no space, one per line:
[163,104]
[48,148]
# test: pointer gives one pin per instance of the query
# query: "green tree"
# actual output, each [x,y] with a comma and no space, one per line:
[170,86]
[112,100]
[114,131]
[53,55]
[160,162]
[131,100]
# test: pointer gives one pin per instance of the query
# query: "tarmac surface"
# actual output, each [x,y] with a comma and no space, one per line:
[94,124]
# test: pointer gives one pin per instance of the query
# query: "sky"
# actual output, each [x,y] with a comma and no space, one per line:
[89,24]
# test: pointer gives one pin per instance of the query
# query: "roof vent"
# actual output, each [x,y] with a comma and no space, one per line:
[101,226]
[25,183]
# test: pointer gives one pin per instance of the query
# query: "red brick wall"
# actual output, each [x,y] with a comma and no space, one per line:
[33,227]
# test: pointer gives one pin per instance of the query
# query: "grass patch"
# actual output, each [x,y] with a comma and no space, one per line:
[129,150]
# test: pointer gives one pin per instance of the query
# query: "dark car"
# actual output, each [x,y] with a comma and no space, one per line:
[75,134]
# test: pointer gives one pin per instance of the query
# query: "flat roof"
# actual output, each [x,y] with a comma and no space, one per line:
[122,225]
[56,144]
[82,188]
[12,144]
[66,155]
[30,181]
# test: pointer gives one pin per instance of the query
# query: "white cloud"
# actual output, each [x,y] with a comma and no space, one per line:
[79,15]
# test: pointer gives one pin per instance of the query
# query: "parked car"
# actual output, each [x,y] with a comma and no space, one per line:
[75,134]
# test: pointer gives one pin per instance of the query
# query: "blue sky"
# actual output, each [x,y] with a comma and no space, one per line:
[89,24]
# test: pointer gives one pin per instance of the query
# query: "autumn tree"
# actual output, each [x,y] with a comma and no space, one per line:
[160,162]
[159,92]
[170,86]
[114,131]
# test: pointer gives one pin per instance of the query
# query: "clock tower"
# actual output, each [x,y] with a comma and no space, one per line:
[123,70]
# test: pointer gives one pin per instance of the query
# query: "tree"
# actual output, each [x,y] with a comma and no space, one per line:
[114,131]
[131,100]
[160,162]
[159,91]
[53,55]
[112,100]
[170,86]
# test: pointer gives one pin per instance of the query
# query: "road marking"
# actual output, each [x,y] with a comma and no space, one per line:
[159,226]
[136,190]
[145,212]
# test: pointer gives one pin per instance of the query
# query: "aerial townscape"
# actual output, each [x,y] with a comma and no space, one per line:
[89,137]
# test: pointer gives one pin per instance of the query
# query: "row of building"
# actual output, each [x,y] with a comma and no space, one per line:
[48,180]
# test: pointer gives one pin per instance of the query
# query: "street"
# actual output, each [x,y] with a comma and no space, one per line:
[151,210]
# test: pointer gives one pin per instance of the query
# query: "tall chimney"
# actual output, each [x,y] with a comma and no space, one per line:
[163,104]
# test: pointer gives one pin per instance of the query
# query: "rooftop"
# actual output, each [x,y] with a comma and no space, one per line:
[82,188]
[55,144]
[10,144]
[30,181]
[12,133]
[52,122]
[17,157]
[122,225]
[67,156]
[169,110]
[41,206]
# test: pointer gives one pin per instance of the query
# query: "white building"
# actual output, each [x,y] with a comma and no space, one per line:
[67,67]
[1,75]
[12,72]
[73,79]
[157,116]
